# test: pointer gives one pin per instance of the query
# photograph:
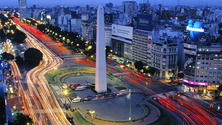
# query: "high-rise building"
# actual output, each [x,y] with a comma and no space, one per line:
[129,7]
[202,67]
[22,9]
[22,4]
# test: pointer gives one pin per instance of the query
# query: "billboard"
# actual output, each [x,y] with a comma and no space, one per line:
[144,22]
[108,18]
[122,31]
[149,42]
[189,65]
[196,29]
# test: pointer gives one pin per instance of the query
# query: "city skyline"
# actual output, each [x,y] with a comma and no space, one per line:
[14,3]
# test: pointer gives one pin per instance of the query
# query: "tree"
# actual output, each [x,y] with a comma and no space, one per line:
[219,88]
[138,65]
[7,56]
[108,49]
[19,60]
[21,119]
[32,57]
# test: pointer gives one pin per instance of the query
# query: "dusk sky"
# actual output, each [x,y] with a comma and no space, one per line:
[10,3]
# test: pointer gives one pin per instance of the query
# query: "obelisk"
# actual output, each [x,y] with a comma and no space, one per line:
[100,83]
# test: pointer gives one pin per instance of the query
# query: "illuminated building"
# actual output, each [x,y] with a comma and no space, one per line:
[203,67]
[23,9]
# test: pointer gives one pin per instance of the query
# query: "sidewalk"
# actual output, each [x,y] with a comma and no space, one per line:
[154,114]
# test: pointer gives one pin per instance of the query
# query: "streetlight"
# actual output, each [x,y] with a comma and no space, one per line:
[65,93]
[92,112]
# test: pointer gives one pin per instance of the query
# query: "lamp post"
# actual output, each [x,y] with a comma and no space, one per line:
[65,93]
[92,112]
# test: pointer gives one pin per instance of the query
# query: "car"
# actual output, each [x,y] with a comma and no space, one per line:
[77,99]
[85,99]
[80,88]
[89,97]
[64,86]
[73,85]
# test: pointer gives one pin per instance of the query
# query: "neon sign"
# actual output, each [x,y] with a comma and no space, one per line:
[196,29]
[195,83]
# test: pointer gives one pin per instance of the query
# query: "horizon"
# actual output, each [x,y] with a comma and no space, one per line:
[48,3]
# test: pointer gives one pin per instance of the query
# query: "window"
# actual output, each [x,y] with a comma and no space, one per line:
[202,71]
[205,67]
[210,68]
[219,68]
[198,67]
[197,76]
[199,49]
[210,76]
[214,77]
[215,68]
[198,54]
[205,80]
[216,55]
[206,71]
[205,76]
[202,67]
[202,62]
[198,62]
[218,77]
[198,71]
[219,72]
[201,76]
[210,72]
[207,63]
[215,72]
[189,65]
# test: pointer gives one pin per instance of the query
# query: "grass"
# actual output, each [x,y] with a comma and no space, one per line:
[73,74]
[81,119]
[165,118]
[120,88]
[52,74]
[72,94]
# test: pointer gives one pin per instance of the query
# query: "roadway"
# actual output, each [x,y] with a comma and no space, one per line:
[40,97]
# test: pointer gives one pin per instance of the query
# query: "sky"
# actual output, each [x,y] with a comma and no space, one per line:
[97,2]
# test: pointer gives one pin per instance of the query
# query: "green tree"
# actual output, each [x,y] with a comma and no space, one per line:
[33,57]
[7,56]
[138,65]
[21,119]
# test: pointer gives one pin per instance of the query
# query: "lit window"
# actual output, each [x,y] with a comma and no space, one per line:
[215,68]
[198,54]
[206,71]
[205,67]
[202,71]
[198,67]
[198,71]
[207,49]
[216,55]
[199,49]
[198,62]
[189,65]
[210,68]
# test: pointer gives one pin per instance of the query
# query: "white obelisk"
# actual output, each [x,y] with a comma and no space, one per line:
[100,83]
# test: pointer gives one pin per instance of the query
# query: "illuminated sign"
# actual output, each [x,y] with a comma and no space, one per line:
[190,60]
[195,83]
[144,22]
[196,29]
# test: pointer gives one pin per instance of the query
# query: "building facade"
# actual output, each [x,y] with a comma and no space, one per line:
[141,48]
[24,13]
[129,7]
[165,58]
[202,68]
